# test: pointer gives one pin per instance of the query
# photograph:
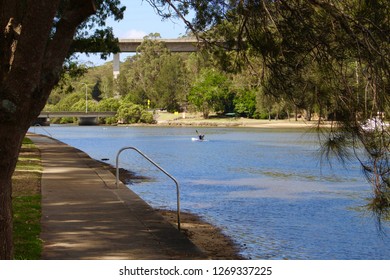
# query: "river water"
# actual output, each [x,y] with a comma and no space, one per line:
[264,187]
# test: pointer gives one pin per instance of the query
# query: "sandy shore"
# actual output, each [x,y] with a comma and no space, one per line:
[205,236]
[167,119]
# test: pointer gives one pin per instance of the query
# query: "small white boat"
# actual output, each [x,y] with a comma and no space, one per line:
[196,139]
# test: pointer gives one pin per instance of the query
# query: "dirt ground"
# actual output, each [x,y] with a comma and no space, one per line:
[205,236]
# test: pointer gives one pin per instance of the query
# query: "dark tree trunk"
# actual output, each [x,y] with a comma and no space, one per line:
[12,136]
[6,249]
[15,117]
[31,59]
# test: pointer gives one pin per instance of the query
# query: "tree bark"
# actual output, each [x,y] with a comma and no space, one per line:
[11,137]
[31,61]
[6,248]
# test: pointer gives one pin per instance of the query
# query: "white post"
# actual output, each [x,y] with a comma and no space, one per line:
[116,63]
[86,97]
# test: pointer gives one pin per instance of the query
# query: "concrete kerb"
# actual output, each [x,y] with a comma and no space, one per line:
[84,215]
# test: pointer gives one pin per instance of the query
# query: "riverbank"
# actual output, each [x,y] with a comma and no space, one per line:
[193,120]
[207,237]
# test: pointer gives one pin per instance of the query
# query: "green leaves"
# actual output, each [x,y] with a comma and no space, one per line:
[210,92]
[132,113]
[155,74]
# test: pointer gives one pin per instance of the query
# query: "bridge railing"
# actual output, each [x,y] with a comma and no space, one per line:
[77,114]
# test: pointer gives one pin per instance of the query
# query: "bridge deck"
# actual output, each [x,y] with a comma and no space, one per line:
[174,45]
[76,114]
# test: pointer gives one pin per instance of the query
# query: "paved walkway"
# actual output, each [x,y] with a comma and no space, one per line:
[85,217]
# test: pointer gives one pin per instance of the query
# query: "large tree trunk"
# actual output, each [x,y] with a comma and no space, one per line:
[31,59]
[15,118]
[6,248]
[12,138]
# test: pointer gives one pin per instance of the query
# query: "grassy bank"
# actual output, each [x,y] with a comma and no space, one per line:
[27,203]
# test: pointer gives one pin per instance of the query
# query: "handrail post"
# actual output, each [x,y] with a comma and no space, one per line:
[160,168]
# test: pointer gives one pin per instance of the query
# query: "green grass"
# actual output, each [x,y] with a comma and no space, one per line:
[28,164]
[27,228]
[26,203]
[27,141]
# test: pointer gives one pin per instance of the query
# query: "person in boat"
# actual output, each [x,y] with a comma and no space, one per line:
[200,136]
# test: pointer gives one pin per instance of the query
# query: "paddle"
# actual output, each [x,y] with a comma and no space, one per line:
[199,135]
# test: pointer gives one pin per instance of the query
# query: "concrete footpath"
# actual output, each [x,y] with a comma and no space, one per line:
[84,216]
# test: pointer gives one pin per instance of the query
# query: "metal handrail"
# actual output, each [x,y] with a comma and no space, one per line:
[38,125]
[160,168]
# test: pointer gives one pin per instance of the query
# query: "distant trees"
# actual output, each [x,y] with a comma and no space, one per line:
[133,113]
[172,84]
[156,78]
[210,92]
[205,81]
[156,75]
[109,104]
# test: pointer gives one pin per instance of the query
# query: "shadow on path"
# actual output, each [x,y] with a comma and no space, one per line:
[85,217]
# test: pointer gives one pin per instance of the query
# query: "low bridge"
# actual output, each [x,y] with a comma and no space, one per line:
[85,118]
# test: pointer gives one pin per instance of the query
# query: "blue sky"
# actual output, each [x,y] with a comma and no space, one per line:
[140,19]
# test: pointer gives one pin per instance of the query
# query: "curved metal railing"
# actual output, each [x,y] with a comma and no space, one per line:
[160,168]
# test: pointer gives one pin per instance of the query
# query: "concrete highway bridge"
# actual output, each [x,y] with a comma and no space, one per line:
[174,45]
[84,118]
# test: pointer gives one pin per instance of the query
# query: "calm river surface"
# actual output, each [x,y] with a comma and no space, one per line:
[264,188]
